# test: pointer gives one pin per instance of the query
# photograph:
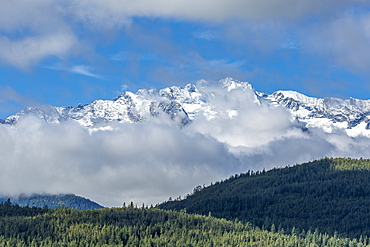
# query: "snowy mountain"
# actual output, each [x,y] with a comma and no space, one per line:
[182,105]
[352,115]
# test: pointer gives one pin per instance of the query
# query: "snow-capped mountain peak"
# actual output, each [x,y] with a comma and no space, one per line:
[231,84]
[329,113]
[182,105]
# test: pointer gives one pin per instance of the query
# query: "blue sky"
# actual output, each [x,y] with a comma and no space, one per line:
[67,52]
[64,52]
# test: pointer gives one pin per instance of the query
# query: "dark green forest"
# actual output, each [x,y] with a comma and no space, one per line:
[131,226]
[328,195]
[320,203]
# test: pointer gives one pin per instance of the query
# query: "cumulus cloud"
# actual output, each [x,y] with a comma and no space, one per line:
[35,17]
[32,31]
[139,162]
[241,120]
[29,51]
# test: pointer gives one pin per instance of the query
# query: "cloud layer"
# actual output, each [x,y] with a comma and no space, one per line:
[112,12]
[30,33]
[139,162]
[151,161]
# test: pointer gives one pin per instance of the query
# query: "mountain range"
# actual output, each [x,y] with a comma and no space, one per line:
[182,105]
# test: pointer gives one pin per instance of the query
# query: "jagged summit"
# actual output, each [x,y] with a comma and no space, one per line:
[182,105]
[327,113]
[231,84]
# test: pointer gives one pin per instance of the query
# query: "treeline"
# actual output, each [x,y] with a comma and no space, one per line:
[9,210]
[130,226]
[330,195]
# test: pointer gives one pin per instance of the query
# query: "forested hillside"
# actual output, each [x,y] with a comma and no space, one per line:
[53,201]
[130,226]
[330,195]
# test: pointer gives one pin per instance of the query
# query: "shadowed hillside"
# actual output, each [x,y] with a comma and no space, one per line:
[331,195]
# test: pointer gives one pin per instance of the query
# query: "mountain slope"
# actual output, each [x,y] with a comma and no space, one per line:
[53,201]
[331,195]
[142,227]
[184,104]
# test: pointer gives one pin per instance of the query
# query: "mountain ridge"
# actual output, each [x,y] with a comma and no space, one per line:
[52,201]
[330,195]
[182,105]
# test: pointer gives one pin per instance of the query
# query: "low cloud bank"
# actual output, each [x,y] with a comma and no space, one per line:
[152,161]
[135,162]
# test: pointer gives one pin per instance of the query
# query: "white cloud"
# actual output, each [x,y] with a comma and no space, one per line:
[152,161]
[143,162]
[32,31]
[124,87]
[29,51]
[206,35]
[38,16]
[84,70]
[78,69]
[114,11]
[253,125]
